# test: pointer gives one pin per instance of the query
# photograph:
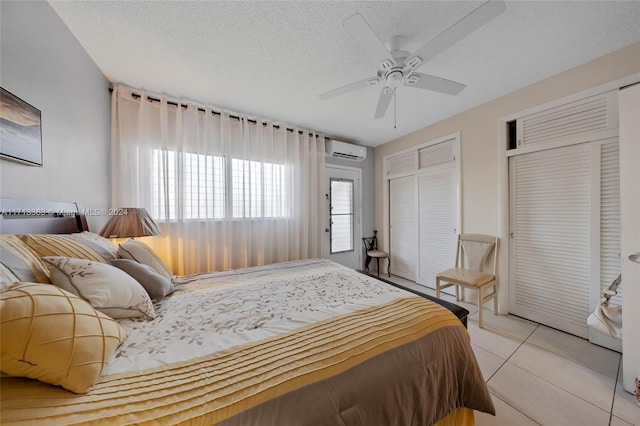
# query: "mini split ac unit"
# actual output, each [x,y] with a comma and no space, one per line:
[345,150]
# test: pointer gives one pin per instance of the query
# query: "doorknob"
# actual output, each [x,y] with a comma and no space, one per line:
[326,229]
[634,257]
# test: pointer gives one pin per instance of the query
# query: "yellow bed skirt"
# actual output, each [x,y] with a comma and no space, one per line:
[458,417]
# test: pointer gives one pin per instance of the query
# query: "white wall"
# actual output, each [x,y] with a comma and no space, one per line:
[42,63]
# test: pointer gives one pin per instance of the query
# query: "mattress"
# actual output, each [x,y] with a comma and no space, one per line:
[297,343]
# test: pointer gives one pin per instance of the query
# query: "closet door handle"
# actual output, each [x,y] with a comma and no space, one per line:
[634,257]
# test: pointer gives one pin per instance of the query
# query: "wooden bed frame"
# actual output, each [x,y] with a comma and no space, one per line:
[19,216]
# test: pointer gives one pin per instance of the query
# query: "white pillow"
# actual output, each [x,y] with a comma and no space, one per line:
[106,288]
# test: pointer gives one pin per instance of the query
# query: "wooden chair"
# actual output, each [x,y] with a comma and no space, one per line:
[372,252]
[475,249]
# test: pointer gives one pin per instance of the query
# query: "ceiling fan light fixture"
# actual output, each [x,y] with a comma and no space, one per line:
[394,78]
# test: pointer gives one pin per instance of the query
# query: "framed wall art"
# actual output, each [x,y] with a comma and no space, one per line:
[20,130]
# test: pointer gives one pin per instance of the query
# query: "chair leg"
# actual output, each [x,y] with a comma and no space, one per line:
[495,300]
[366,263]
[389,267]
[457,293]
[438,287]
[378,261]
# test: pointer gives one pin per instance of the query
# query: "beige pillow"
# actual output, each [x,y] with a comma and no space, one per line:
[156,285]
[21,261]
[105,287]
[83,245]
[72,353]
[142,253]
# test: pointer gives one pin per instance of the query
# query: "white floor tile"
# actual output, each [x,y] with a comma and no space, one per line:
[576,349]
[491,341]
[588,384]
[543,402]
[506,415]
[489,363]
[615,421]
[506,324]
[625,406]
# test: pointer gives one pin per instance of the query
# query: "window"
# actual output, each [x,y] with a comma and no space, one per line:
[341,215]
[257,189]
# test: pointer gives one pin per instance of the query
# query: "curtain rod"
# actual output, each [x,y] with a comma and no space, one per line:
[235,117]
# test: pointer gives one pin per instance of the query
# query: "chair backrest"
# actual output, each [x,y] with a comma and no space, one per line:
[474,249]
[370,243]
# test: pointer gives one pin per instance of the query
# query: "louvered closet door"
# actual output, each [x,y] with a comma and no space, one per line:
[403,227]
[610,266]
[550,228]
[606,199]
[437,217]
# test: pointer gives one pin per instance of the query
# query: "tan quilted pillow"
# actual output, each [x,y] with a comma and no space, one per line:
[54,336]
[23,263]
[83,245]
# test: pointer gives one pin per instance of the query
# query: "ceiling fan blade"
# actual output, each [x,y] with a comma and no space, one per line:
[383,102]
[436,84]
[369,41]
[465,26]
[349,88]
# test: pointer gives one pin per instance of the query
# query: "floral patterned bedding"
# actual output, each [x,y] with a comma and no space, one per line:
[212,312]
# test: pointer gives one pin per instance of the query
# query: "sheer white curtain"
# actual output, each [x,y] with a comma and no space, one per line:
[226,193]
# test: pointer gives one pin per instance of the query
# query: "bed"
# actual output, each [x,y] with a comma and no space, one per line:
[307,342]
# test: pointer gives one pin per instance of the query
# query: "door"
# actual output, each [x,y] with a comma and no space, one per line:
[343,231]
[403,244]
[630,232]
[438,223]
[550,259]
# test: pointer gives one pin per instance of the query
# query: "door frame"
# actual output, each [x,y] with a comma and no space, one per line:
[630,233]
[357,209]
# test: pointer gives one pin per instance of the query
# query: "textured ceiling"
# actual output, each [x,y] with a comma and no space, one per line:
[272,59]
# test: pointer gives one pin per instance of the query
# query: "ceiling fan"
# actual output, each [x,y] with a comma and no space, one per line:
[397,67]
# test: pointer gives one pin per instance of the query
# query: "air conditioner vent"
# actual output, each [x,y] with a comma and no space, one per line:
[346,151]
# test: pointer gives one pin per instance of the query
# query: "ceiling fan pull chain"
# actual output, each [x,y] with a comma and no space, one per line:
[395,116]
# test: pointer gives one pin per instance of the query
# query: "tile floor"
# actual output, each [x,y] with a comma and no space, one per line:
[541,376]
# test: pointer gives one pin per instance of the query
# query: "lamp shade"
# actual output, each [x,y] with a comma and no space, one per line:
[130,222]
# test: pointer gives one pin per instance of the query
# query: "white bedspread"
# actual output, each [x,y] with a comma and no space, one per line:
[213,312]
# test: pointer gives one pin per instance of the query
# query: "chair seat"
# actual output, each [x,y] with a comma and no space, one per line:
[465,277]
[377,253]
